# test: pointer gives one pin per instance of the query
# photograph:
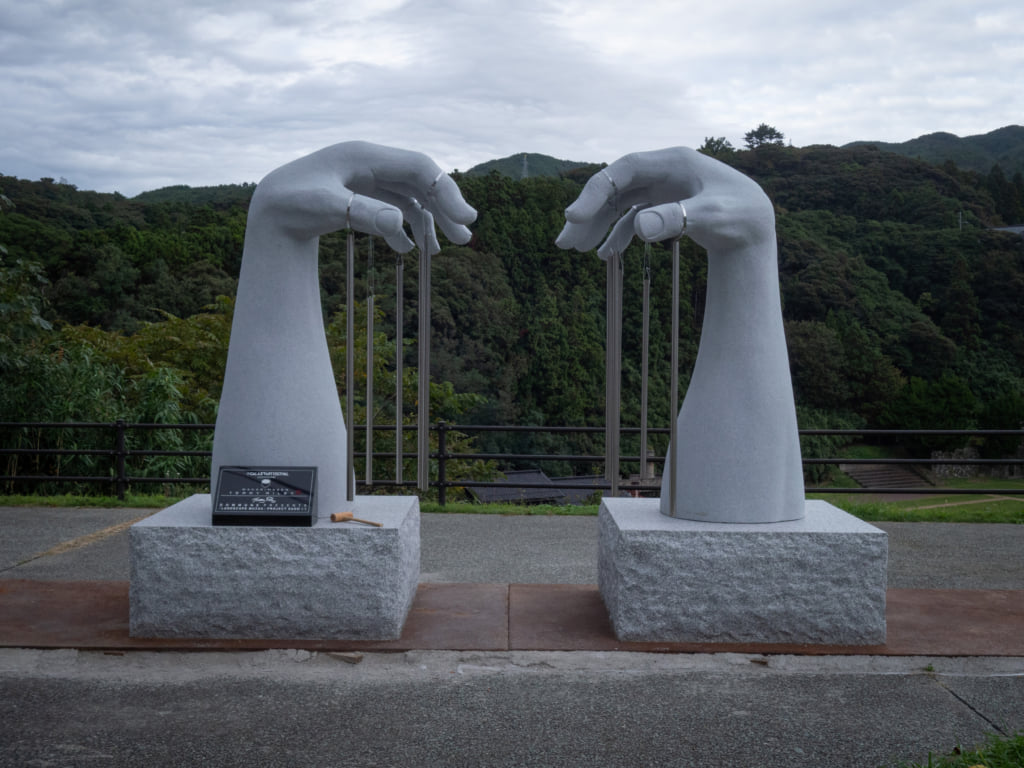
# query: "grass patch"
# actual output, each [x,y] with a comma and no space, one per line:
[996,752]
[885,512]
[159,501]
[470,508]
[995,483]
[932,509]
[938,507]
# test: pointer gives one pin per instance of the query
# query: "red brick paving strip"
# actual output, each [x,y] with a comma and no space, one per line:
[496,617]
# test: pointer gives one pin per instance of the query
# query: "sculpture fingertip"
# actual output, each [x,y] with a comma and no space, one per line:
[650,226]
[564,239]
[399,243]
[574,214]
[467,215]
[388,221]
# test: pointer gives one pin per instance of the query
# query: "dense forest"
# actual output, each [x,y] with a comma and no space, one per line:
[902,302]
[1003,147]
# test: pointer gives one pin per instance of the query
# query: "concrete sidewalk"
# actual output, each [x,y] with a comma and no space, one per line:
[472,704]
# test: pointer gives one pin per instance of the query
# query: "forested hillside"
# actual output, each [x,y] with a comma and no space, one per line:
[998,155]
[524,165]
[902,307]
[1003,147]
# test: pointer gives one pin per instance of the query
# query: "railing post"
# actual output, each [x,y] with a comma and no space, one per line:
[442,458]
[121,479]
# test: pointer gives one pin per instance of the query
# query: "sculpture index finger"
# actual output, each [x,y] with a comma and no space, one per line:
[588,218]
[414,175]
[452,213]
[599,191]
[375,217]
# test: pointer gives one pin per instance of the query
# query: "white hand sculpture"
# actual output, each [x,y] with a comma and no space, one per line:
[738,452]
[279,405]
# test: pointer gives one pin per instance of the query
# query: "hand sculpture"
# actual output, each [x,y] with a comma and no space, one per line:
[738,451]
[279,404]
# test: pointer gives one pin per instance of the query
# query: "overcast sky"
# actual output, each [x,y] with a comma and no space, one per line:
[131,95]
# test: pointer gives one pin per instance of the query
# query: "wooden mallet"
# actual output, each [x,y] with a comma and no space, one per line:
[346,517]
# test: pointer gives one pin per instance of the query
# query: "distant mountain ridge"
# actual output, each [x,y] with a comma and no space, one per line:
[1003,147]
[526,164]
[222,194]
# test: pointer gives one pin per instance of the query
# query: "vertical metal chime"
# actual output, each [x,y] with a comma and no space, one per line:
[423,407]
[645,344]
[350,356]
[613,370]
[399,362]
[673,412]
[370,290]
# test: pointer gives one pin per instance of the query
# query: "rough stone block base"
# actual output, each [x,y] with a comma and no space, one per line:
[821,579]
[333,580]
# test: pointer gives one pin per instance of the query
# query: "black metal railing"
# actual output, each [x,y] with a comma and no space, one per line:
[119,457]
[118,454]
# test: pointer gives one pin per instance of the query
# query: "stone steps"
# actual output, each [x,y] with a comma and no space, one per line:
[884,476]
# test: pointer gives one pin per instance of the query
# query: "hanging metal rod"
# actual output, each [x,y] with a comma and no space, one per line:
[645,344]
[350,356]
[423,406]
[369,361]
[399,362]
[613,370]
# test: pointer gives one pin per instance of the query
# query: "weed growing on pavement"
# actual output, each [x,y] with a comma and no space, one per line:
[996,752]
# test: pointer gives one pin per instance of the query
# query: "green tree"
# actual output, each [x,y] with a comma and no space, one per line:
[960,318]
[445,402]
[1006,411]
[1008,195]
[763,135]
[823,446]
[21,309]
[943,403]
[21,303]
[716,146]
[817,360]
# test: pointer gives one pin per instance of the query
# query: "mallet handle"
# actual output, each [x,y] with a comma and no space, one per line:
[345,517]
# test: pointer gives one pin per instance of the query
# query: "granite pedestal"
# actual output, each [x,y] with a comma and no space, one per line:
[818,580]
[332,580]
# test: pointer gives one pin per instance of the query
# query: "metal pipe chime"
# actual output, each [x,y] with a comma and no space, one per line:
[674,380]
[399,362]
[613,370]
[350,356]
[369,361]
[645,344]
[423,407]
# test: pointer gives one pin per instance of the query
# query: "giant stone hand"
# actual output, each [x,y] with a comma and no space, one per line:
[738,451]
[279,404]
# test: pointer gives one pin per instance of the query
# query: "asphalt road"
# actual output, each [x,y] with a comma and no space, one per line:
[294,708]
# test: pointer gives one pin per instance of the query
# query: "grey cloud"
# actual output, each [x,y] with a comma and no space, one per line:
[128,95]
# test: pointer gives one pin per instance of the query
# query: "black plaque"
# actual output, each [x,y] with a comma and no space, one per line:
[272,496]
